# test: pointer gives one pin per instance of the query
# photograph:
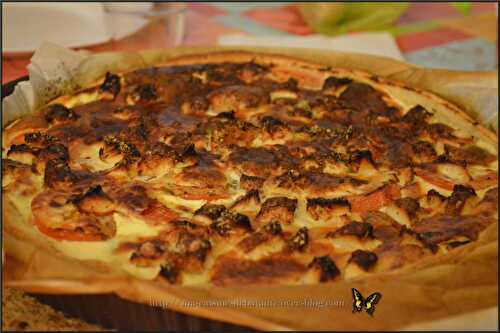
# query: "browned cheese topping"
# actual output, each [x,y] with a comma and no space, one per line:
[232,174]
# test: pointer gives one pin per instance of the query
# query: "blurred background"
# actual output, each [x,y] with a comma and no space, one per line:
[453,35]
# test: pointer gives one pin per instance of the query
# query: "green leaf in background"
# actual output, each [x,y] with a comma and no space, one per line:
[463,7]
[339,18]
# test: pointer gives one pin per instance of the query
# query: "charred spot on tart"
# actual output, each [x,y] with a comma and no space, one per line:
[129,151]
[456,201]
[94,200]
[424,151]
[196,104]
[300,240]
[455,244]
[335,82]
[184,224]
[39,137]
[433,195]
[399,154]
[364,259]
[470,155]
[260,161]
[58,112]
[150,249]
[274,228]
[280,209]
[328,268]
[248,200]
[170,272]
[22,148]
[9,165]
[192,244]
[441,228]
[143,93]
[54,151]
[251,71]
[229,270]
[211,211]
[363,97]
[272,124]
[111,84]
[439,131]
[226,115]
[224,221]
[58,172]
[417,117]
[357,157]
[359,229]
[134,197]
[324,208]
[410,205]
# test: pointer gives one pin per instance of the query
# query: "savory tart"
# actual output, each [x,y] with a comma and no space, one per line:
[239,168]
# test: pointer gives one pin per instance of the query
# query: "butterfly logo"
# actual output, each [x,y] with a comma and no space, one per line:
[359,302]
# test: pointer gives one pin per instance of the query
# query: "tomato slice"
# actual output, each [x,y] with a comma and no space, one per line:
[434,179]
[67,234]
[158,214]
[375,200]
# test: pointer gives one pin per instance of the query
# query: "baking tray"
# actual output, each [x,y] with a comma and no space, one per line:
[112,312]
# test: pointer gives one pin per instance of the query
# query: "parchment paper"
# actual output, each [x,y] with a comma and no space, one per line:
[459,289]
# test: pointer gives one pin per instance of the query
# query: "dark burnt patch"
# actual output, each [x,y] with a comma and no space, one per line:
[325,202]
[417,117]
[424,152]
[410,205]
[279,209]
[54,151]
[22,148]
[274,228]
[184,224]
[211,211]
[335,82]
[455,244]
[251,183]
[231,270]
[170,272]
[364,259]
[363,97]
[9,165]
[93,192]
[329,271]
[193,245]
[229,115]
[357,156]
[437,229]
[272,125]
[300,240]
[111,84]
[228,220]
[135,198]
[324,208]
[58,112]
[57,171]
[358,229]
[39,137]
[470,155]
[458,197]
